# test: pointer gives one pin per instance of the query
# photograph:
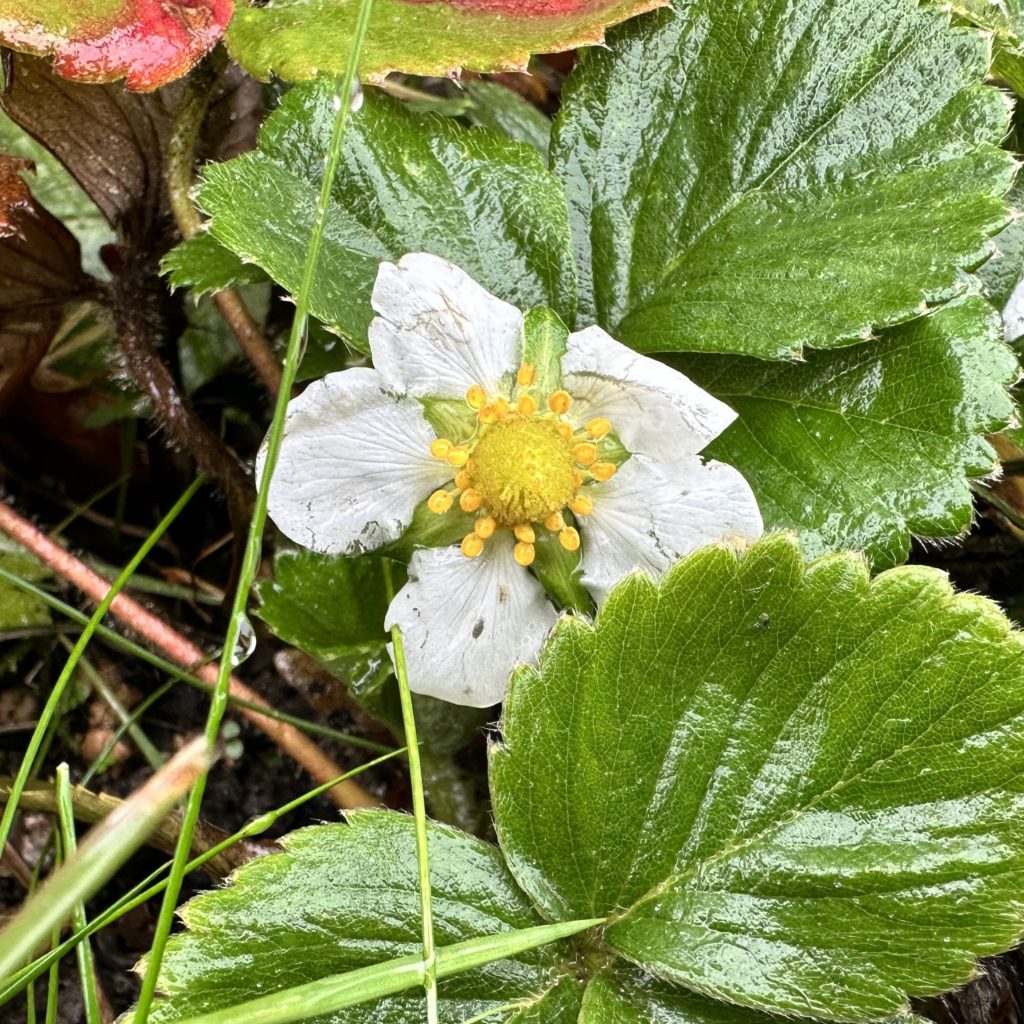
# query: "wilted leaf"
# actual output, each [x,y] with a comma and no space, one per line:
[295,39]
[147,42]
[795,788]
[763,178]
[866,446]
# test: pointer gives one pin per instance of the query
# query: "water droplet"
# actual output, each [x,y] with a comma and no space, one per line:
[357,96]
[245,643]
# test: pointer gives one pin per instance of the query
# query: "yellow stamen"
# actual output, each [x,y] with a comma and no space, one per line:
[524,532]
[476,398]
[472,545]
[569,539]
[487,415]
[577,479]
[526,405]
[524,553]
[440,448]
[585,454]
[458,457]
[526,376]
[462,480]
[564,431]
[500,407]
[598,427]
[560,402]
[555,522]
[484,527]
[582,505]
[602,471]
[439,502]
[470,500]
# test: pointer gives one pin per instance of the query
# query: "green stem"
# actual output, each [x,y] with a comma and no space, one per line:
[254,541]
[53,702]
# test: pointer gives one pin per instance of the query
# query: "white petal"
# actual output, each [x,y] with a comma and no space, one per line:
[649,514]
[355,461]
[439,332]
[467,622]
[654,409]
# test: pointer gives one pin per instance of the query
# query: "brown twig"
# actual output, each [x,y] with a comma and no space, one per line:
[181,155]
[346,794]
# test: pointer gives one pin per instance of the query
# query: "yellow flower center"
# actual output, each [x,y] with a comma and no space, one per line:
[523,467]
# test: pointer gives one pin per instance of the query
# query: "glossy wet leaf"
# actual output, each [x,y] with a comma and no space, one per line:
[796,788]
[1004,19]
[764,178]
[345,896]
[863,447]
[204,265]
[407,184]
[146,42]
[296,39]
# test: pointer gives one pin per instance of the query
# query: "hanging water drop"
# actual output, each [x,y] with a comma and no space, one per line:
[245,641]
[356,102]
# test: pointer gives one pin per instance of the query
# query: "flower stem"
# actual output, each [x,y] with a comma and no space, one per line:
[254,542]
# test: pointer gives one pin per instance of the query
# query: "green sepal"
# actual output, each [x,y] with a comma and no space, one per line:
[559,572]
[429,530]
[450,418]
[544,340]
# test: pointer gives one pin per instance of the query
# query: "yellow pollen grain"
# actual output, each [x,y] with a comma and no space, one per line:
[458,457]
[565,431]
[524,553]
[440,448]
[560,402]
[462,480]
[470,500]
[527,375]
[585,454]
[599,427]
[439,502]
[526,406]
[484,527]
[582,505]
[476,398]
[569,539]
[602,471]
[555,522]
[524,532]
[471,545]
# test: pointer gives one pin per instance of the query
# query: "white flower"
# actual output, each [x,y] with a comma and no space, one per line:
[613,447]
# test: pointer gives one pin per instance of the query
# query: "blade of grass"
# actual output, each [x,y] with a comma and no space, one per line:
[150,887]
[57,693]
[328,995]
[86,965]
[105,849]
[254,541]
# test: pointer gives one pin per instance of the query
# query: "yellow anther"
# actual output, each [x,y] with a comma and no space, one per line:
[527,375]
[524,553]
[484,527]
[476,398]
[440,448]
[524,532]
[560,402]
[599,427]
[470,500]
[487,415]
[585,454]
[472,545]
[526,405]
[602,470]
[569,539]
[462,480]
[577,479]
[439,502]
[565,431]
[500,407]
[582,504]
[458,457]
[555,522]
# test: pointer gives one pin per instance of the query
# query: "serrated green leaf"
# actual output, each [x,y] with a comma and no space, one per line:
[296,39]
[18,609]
[346,896]
[761,178]
[202,264]
[501,109]
[1005,20]
[406,184]
[797,789]
[866,446]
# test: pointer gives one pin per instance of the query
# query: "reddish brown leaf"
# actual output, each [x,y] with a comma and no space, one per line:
[147,42]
